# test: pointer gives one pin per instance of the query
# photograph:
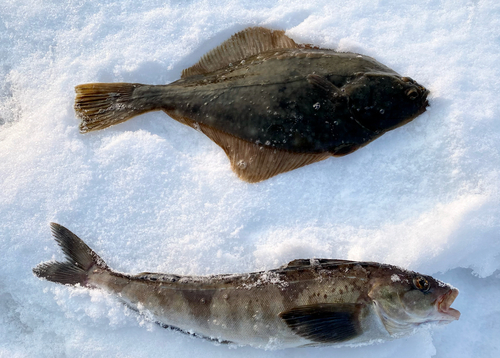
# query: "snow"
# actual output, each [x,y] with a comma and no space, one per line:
[154,195]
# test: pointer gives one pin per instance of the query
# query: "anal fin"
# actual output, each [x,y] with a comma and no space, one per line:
[252,162]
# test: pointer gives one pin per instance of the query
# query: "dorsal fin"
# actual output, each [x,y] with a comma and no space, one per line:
[246,43]
[298,263]
[317,262]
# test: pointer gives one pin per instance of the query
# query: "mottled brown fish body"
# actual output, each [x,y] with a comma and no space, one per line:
[307,302]
[245,309]
[277,107]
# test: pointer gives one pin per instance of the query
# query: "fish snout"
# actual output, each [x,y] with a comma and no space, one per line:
[444,305]
[417,93]
[425,93]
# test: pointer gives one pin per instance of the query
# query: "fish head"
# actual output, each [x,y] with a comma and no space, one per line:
[381,102]
[405,300]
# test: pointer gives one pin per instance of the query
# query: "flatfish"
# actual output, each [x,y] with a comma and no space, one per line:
[271,104]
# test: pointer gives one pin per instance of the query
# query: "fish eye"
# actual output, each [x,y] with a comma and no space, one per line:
[421,283]
[412,93]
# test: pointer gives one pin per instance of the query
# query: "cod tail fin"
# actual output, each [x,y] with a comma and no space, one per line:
[80,260]
[100,105]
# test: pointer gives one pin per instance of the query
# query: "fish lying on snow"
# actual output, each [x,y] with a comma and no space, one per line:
[271,104]
[304,303]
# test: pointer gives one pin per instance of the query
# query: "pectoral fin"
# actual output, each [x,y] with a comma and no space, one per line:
[323,84]
[324,322]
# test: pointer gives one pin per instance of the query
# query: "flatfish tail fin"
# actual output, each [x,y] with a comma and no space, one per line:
[81,260]
[100,105]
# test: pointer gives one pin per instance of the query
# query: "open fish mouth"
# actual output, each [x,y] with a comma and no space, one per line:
[424,96]
[443,305]
[425,92]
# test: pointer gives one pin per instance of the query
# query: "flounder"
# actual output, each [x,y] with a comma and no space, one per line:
[271,104]
[304,303]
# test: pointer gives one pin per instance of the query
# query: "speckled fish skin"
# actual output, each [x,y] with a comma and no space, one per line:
[271,100]
[302,102]
[305,303]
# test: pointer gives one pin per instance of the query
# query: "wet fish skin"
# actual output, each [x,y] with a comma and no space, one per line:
[274,101]
[304,303]
[276,108]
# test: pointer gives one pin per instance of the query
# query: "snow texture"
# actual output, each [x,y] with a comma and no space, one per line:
[154,195]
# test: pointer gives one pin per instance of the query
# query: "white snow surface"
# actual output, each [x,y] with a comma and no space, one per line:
[154,195]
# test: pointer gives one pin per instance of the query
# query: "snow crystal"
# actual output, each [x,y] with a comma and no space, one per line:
[153,195]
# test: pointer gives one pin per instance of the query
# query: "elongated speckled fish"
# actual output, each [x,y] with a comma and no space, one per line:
[307,302]
[271,104]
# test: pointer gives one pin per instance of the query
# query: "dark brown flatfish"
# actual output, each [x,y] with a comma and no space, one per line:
[272,105]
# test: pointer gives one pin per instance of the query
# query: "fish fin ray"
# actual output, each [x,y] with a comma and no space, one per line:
[80,259]
[252,162]
[315,262]
[298,263]
[324,322]
[246,43]
[323,84]
[100,105]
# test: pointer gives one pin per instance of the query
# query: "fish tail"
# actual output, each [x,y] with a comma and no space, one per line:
[80,260]
[100,105]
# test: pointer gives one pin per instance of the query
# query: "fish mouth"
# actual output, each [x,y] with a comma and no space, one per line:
[443,305]
[425,93]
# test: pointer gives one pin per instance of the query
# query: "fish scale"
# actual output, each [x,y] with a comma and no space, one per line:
[272,105]
[274,88]
[304,303]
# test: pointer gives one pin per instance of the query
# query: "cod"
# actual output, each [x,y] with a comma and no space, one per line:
[304,303]
[271,104]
